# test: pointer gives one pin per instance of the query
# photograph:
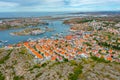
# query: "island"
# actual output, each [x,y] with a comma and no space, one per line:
[32,31]
[28,31]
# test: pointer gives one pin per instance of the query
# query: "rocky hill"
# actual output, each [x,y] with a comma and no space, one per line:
[18,64]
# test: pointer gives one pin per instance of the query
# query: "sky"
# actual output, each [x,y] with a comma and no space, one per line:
[58,5]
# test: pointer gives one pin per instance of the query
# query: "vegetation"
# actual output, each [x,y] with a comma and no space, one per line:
[99,59]
[44,64]
[87,43]
[65,60]
[56,63]
[5,58]
[105,44]
[78,20]
[77,72]
[84,21]
[73,63]
[90,28]
[39,74]
[18,78]
[35,66]
[23,51]
[2,77]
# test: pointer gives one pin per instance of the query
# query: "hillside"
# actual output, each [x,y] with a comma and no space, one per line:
[18,64]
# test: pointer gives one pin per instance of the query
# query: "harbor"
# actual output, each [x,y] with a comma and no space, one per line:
[58,26]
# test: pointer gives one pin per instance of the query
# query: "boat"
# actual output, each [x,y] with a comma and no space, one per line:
[5,41]
[0,41]
[30,39]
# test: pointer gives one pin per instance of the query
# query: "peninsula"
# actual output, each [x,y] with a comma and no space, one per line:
[16,23]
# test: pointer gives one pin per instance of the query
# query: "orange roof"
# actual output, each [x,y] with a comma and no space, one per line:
[53,58]
[109,58]
[110,51]
[84,49]
[79,52]
[33,51]
[87,35]
[81,40]
[46,54]
[62,52]
[69,37]
[19,45]
[37,54]
[38,47]
[67,55]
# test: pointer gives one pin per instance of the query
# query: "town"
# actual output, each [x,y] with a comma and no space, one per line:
[91,39]
[90,51]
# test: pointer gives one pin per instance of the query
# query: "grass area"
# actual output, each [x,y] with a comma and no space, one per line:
[39,74]
[38,66]
[105,44]
[99,59]
[84,21]
[6,57]
[35,66]
[18,78]
[90,28]
[65,60]
[77,72]
[73,63]
[87,43]
[115,62]
[2,77]
[23,51]
[56,63]
[44,64]
[1,50]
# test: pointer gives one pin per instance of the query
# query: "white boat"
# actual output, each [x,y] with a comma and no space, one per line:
[30,39]
[5,41]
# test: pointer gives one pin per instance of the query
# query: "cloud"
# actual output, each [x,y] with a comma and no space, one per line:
[8,4]
[91,2]
[50,3]
[59,5]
